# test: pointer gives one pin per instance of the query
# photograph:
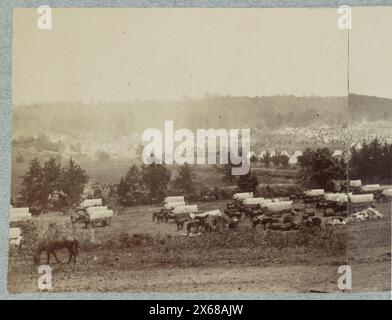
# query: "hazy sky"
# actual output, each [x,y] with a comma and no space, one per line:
[92,55]
[371,51]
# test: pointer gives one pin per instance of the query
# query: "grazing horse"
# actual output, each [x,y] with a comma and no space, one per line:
[51,245]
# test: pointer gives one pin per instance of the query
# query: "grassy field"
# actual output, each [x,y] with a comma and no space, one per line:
[135,254]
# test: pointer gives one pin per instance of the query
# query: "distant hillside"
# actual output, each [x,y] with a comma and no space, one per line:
[369,108]
[114,119]
[209,112]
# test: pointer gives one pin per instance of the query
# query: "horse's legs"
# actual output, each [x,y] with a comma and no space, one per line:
[57,260]
[70,256]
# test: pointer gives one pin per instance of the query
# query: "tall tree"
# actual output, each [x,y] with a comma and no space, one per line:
[156,178]
[31,194]
[318,168]
[248,182]
[267,159]
[51,173]
[72,181]
[131,189]
[185,180]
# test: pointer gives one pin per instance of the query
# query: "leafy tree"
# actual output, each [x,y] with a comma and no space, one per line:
[318,167]
[267,159]
[275,160]
[51,173]
[248,182]
[185,180]
[31,194]
[131,189]
[156,178]
[284,160]
[372,162]
[41,183]
[72,181]
[226,171]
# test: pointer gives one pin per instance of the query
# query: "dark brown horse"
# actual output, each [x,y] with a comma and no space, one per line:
[197,225]
[51,245]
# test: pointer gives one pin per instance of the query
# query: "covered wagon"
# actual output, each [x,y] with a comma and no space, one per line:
[171,205]
[313,196]
[15,236]
[19,214]
[360,201]
[355,183]
[386,195]
[243,195]
[99,214]
[272,208]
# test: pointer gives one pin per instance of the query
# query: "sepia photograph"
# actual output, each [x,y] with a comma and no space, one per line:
[201,150]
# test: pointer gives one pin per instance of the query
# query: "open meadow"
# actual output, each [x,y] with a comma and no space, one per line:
[135,254]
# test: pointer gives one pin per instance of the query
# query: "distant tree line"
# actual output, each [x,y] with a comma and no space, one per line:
[372,163]
[150,184]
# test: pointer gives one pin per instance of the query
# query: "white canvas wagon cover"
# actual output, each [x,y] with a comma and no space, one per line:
[253,201]
[19,214]
[172,205]
[334,196]
[91,203]
[14,233]
[314,192]
[243,195]
[355,183]
[370,187]
[186,209]
[212,213]
[96,209]
[101,214]
[174,199]
[361,198]
[279,206]
[387,192]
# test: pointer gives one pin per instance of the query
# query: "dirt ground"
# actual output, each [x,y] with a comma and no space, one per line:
[368,252]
